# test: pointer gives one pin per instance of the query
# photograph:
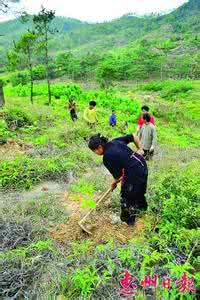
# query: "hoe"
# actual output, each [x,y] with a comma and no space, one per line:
[80,223]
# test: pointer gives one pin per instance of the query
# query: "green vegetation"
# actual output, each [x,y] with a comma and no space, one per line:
[49,175]
[128,48]
[168,244]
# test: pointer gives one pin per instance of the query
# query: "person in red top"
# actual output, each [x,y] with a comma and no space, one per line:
[140,122]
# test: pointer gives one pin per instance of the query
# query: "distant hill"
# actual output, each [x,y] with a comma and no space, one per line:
[174,35]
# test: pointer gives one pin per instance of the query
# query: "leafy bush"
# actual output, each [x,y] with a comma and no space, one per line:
[24,172]
[58,90]
[16,118]
[176,197]
[178,87]
[4,132]
[85,280]
[39,72]
[169,89]
[19,78]
[152,86]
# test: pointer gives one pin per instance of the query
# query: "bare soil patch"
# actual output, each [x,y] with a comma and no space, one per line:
[99,223]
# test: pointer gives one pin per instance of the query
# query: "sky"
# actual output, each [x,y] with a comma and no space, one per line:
[100,10]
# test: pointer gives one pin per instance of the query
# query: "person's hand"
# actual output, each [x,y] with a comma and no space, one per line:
[114,185]
[140,151]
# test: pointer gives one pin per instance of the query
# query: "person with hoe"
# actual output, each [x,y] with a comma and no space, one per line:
[126,166]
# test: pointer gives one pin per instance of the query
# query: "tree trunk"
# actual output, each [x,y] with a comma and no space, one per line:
[2,99]
[31,76]
[47,66]
[31,96]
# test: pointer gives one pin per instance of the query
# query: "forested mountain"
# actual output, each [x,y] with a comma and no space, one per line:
[170,41]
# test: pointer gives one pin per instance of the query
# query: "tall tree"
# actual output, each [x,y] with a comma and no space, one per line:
[24,50]
[42,23]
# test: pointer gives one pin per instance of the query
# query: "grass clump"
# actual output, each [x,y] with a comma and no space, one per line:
[24,172]
[169,89]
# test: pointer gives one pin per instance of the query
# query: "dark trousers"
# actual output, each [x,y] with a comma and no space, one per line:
[148,154]
[133,194]
[73,115]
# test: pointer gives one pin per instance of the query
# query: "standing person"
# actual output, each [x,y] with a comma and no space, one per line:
[90,114]
[147,135]
[125,165]
[140,122]
[72,109]
[113,119]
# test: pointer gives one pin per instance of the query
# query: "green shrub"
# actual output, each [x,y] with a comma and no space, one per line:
[4,132]
[176,197]
[16,118]
[176,88]
[58,90]
[169,89]
[39,72]
[23,172]
[152,86]
[19,78]
[85,280]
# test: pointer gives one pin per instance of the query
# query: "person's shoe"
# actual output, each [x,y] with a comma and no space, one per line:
[124,216]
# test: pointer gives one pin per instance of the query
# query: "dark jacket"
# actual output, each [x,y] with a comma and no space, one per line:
[118,159]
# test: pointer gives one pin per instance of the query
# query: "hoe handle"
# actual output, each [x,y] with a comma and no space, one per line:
[101,199]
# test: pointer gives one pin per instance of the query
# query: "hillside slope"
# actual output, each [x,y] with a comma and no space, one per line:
[74,34]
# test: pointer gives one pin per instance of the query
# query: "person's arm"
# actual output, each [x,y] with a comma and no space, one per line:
[85,115]
[131,138]
[126,139]
[140,133]
[153,138]
[113,166]
[138,144]
[115,183]
[95,113]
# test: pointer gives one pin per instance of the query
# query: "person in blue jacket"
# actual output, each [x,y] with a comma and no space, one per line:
[113,119]
[127,166]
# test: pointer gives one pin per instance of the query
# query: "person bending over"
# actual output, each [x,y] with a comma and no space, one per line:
[127,166]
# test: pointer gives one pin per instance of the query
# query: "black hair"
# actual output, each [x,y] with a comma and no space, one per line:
[92,103]
[146,117]
[97,140]
[145,108]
